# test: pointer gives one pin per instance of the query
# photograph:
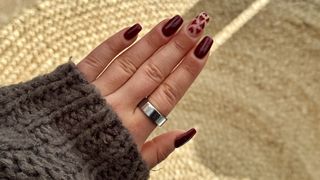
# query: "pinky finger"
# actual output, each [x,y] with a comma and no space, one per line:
[160,147]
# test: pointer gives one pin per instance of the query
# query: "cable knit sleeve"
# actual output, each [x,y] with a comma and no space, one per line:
[57,126]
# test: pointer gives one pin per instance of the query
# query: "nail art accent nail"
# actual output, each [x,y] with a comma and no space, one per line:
[185,137]
[172,25]
[198,24]
[132,31]
[203,47]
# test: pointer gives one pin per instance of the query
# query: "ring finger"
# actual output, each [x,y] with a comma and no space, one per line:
[167,95]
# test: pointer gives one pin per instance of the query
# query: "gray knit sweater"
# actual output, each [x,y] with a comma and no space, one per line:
[57,126]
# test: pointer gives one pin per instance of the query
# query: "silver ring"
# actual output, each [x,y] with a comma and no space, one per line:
[151,112]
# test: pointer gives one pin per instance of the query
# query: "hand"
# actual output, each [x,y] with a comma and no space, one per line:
[145,70]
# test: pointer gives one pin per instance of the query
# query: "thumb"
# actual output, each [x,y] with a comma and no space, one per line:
[159,148]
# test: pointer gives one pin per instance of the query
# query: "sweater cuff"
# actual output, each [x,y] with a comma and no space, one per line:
[61,109]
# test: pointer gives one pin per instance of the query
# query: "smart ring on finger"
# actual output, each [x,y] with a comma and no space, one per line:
[151,112]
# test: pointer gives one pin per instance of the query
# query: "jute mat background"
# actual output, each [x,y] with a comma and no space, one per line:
[256,105]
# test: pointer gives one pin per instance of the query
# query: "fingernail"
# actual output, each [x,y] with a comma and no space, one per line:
[203,47]
[185,137]
[132,31]
[172,25]
[198,23]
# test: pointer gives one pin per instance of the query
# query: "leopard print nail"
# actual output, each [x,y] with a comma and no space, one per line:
[198,24]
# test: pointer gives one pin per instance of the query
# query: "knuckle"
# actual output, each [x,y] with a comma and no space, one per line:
[154,39]
[170,93]
[94,62]
[154,73]
[180,46]
[151,43]
[126,63]
[109,46]
[192,69]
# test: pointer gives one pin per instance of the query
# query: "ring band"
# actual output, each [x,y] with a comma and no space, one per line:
[151,112]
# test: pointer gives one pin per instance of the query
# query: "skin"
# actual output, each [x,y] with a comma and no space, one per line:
[143,70]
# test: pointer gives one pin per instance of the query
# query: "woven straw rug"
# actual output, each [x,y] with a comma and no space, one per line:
[256,105]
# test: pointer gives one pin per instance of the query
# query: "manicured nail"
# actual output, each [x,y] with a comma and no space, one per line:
[203,47]
[132,31]
[172,25]
[185,137]
[198,23]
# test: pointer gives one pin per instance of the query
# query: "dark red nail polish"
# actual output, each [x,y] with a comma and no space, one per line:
[203,47]
[132,31]
[185,137]
[172,25]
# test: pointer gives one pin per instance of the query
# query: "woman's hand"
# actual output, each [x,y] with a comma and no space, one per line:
[146,70]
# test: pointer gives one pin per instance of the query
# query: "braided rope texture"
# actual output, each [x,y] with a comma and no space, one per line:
[255,105]
[57,126]
[44,37]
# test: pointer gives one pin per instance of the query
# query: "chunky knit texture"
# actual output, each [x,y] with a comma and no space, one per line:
[57,126]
